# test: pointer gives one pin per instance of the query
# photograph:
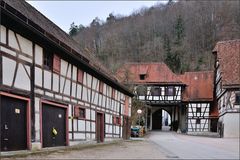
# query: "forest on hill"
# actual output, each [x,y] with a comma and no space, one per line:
[181,34]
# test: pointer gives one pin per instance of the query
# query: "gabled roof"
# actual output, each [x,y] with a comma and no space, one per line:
[228,55]
[27,15]
[199,86]
[155,73]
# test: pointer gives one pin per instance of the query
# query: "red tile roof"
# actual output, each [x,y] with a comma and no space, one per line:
[155,73]
[228,55]
[199,85]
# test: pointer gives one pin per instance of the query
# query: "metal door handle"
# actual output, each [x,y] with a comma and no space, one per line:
[5,139]
[5,126]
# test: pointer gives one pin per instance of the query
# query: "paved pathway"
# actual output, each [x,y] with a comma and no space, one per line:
[156,145]
[175,145]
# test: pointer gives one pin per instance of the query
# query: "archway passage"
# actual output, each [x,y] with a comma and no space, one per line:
[161,120]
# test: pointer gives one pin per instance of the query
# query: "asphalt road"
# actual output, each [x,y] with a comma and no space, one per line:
[180,146]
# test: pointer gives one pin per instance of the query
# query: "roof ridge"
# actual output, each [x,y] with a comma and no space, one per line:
[228,41]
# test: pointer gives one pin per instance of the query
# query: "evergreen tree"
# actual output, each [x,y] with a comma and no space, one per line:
[73,29]
[179,30]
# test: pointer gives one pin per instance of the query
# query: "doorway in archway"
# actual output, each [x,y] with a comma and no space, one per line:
[166,121]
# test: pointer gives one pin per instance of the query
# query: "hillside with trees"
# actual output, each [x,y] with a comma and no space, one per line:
[181,34]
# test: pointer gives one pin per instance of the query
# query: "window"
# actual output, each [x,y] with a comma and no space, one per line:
[170,91]
[56,64]
[142,76]
[155,91]
[198,110]
[47,60]
[80,76]
[237,100]
[116,120]
[79,113]
[198,121]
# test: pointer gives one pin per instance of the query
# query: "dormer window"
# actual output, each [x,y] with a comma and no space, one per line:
[142,76]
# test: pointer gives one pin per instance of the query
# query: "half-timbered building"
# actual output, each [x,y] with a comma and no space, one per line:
[227,86]
[52,93]
[187,98]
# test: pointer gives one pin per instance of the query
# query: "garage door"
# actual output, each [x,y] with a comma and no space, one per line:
[13,124]
[53,126]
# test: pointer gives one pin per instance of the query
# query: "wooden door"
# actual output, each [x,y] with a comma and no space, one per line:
[100,128]
[13,124]
[53,126]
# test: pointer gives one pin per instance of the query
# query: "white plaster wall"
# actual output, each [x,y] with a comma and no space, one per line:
[12,41]
[81,125]
[22,80]
[89,95]
[23,57]
[38,76]
[93,126]
[75,124]
[70,125]
[69,71]
[100,100]
[3,34]
[8,67]
[95,83]
[63,70]
[38,55]
[107,118]
[67,87]
[93,115]
[79,91]
[88,126]
[25,45]
[74,76]
[47,79]
[84,96]
[89,80]
[74,85]
[37,118]
[55,82]
[103,101]
[231,125]
[6,50]
[79,136]
[88,114]
[84,78]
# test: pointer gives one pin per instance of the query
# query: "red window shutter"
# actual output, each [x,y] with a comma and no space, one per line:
[101,87]
[76,111]
[113,93]
[114,119]
[56,64]
[80,76]
[119,120]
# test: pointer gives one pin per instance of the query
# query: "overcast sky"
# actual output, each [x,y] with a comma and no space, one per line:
[63,13]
